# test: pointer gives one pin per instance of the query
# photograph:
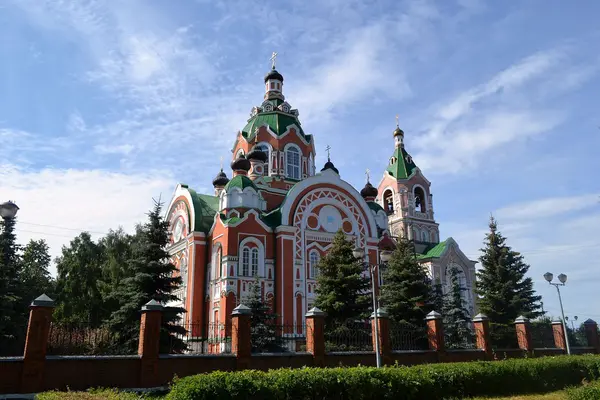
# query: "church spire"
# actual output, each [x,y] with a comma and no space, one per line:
[273,81]
[398,135]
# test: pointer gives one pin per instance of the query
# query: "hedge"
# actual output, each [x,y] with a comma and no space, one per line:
[586,392]
[432,381]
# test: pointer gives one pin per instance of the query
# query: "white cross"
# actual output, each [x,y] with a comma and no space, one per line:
[397,121]
[273,57]
[368,174]
[221,163]
[327,149]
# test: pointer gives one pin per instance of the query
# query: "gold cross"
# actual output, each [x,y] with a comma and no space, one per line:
[397,121]
[327,149]
[273,57]
[368,174]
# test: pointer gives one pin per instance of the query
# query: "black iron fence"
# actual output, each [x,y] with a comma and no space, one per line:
[542,336]
[80,339]
[349,336]
[460,338]
[503,336]
[405,337]
[202,338]
[12,346]
[273,337]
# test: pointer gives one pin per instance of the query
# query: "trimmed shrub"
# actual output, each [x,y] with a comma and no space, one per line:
[586,392]
[432,381]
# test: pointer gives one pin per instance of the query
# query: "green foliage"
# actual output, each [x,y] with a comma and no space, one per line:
[94,394]
[589,391]
[151,278]
[79,276]
[431,382]
[505,292]
[262,322]
[13,315]
[342,290]
[406,289]
[455,314]
[35,262]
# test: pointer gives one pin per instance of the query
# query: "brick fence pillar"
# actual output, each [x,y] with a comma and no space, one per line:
[241,340]
[523,330]
[559,335]
[40,317]
[591,333]
[435,331]
[481,323]
[149,344]
[385,348]
[315,335]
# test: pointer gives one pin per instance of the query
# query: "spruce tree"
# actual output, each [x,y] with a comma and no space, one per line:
[152,278]
[262,323]
[505,292]
[343,291]
[13,315]
[36,276]
[406,288]
[436,302]
[455,314]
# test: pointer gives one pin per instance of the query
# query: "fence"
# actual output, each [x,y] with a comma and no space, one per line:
[80,339]
[542,336]
[461,337]
[201,338]
[406,337]
[503,337]
[349,336]
[271,336]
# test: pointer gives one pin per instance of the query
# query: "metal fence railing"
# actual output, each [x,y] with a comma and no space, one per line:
[202,338]
[349,336]
[273,337]
[12,346]
[404,336]
[461,340]
[542,336]
[503,336]
[80,339]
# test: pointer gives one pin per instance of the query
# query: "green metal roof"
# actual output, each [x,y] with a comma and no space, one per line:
[205,208]
[401,164]
[240,181]
[273,218]
[277,121]
[374,206]
[435,251]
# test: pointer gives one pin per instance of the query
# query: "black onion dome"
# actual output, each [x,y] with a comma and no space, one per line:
[369,191]
[273,74]
[241,163]
[329,165]
[221,179]
[398,132]
[258,155]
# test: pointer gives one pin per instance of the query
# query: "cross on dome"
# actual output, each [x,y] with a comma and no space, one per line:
[368,174]
[397,121]
[273,57]
[327,149]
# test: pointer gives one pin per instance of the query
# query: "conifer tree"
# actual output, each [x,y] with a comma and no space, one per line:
[406,288]
[436,302]
[262,322]
[36,277]
[505,291]
[342,288]
[13,316]
[455,315]
[151,278]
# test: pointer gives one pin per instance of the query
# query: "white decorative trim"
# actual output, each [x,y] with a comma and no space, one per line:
[181,191]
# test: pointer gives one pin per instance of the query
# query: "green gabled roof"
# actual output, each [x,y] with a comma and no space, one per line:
[277,121]
[205,208]
[240,181]
[229,221]
[401,164]
[273,218]
[374,206]
[434,251]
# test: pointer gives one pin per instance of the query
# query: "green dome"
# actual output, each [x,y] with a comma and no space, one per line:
[240,181]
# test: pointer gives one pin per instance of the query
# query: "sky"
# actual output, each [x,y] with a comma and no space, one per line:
[107,104]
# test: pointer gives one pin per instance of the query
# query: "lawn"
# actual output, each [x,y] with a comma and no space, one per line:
[548,396]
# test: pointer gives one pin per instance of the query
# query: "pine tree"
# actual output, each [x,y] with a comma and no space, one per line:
[406,288]
[342,288]
[455,314]
[152,278]
[436,302]
[263,330]
[13,316]
[505,292]
[35,274]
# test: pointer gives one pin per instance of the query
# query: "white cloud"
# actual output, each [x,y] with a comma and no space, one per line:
[91,200]
[549,207]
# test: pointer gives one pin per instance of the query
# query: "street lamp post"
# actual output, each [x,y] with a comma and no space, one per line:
[563,279]
[8,210]
[385,255]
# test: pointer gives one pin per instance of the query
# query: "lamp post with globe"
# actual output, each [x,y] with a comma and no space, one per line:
[384,256]
[8,212]
[563,280]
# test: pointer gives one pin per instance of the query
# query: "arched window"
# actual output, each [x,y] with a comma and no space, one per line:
[425,235]
[314,261]
[254,262]
[388,201]
[217,264]
[239,153]
[419,199]
[245,262]
[265,149]
[292,157]
[311,165]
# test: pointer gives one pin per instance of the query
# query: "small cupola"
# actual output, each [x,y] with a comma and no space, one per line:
[329,165]
[240,192]
[369,192]
[219,182]
[273,82]
[240,166]
[257,160]
[398,135]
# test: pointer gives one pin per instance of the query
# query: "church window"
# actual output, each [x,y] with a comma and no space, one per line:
[272,85]
[292,156]
[245,262]
[314,261]
[254,265]
[265,149]
[311,165]
[419,199]
[268,107]
[425,235]
[388,201]
[285,109]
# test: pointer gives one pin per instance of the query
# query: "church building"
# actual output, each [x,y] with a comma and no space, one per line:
[275,214]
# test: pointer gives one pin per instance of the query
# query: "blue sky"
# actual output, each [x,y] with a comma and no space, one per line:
[105,104]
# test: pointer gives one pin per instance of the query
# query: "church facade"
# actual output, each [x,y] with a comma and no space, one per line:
[277,215]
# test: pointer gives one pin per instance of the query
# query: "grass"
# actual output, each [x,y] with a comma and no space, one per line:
[548,396]
[100,394]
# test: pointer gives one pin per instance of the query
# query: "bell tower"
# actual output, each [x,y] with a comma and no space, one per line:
[405,194]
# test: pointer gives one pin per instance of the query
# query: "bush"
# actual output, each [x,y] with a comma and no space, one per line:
[586,392]
[95,394]
[433,381]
